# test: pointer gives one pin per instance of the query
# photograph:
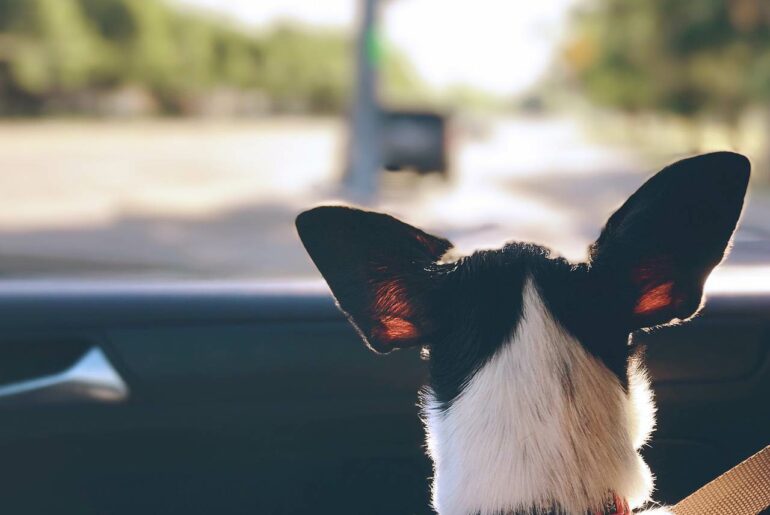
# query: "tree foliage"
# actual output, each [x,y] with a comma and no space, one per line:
[689,57]
[54,49]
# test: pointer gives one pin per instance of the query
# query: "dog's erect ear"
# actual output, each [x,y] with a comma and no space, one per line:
[660,246]
[381,271]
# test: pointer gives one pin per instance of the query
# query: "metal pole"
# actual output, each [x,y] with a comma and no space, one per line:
[364,159]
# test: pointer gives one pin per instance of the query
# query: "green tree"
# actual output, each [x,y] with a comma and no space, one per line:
[305,68]
[56,48]
[237,59]
[154,57]
[689,57]
[65,49]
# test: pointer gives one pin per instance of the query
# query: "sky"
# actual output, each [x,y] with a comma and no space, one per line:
[499,46]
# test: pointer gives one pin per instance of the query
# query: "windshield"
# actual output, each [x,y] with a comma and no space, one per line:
[178,140]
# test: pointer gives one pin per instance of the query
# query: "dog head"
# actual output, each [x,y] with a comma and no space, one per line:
[399,287]
[480,316]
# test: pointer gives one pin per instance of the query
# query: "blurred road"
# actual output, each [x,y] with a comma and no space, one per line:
[181,199]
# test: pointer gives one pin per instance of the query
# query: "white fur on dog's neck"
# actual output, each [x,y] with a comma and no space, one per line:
[543,422]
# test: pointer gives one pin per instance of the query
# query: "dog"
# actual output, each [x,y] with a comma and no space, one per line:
[538,401]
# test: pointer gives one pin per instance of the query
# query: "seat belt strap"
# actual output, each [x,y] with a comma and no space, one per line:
[742,490]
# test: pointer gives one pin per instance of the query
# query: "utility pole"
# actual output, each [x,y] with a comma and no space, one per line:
[364,160]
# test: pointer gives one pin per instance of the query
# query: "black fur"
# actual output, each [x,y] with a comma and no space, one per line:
[670,235]
[647,267]
[362,254]
[483,307]
[482,301]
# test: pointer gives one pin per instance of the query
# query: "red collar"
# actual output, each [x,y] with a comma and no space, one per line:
[615,506]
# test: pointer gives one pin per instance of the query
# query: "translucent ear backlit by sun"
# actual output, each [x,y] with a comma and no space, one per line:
[395,329]
[391,313]
[655,299]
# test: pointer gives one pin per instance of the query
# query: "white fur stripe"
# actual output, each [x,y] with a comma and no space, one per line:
[542,422]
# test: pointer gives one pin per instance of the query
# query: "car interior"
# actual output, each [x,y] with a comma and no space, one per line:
[166,345]
[242,400]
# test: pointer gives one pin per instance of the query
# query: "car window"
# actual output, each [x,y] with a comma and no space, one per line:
[178,140]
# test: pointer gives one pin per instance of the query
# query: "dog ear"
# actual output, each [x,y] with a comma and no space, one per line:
[381,271]
[662,244]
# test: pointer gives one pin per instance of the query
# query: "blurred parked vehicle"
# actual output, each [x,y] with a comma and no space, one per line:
[415,140]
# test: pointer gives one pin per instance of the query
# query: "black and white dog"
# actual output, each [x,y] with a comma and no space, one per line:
[537,401]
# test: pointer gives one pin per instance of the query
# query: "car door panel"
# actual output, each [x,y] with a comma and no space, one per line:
[265,401]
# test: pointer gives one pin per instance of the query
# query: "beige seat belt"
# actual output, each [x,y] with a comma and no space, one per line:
[742,490]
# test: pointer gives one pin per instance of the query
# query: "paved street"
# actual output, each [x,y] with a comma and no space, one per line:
[203,199]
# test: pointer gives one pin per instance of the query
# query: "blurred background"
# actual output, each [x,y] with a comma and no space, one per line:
[178,139]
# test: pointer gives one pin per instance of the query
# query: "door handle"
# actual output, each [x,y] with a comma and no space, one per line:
[91,379]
